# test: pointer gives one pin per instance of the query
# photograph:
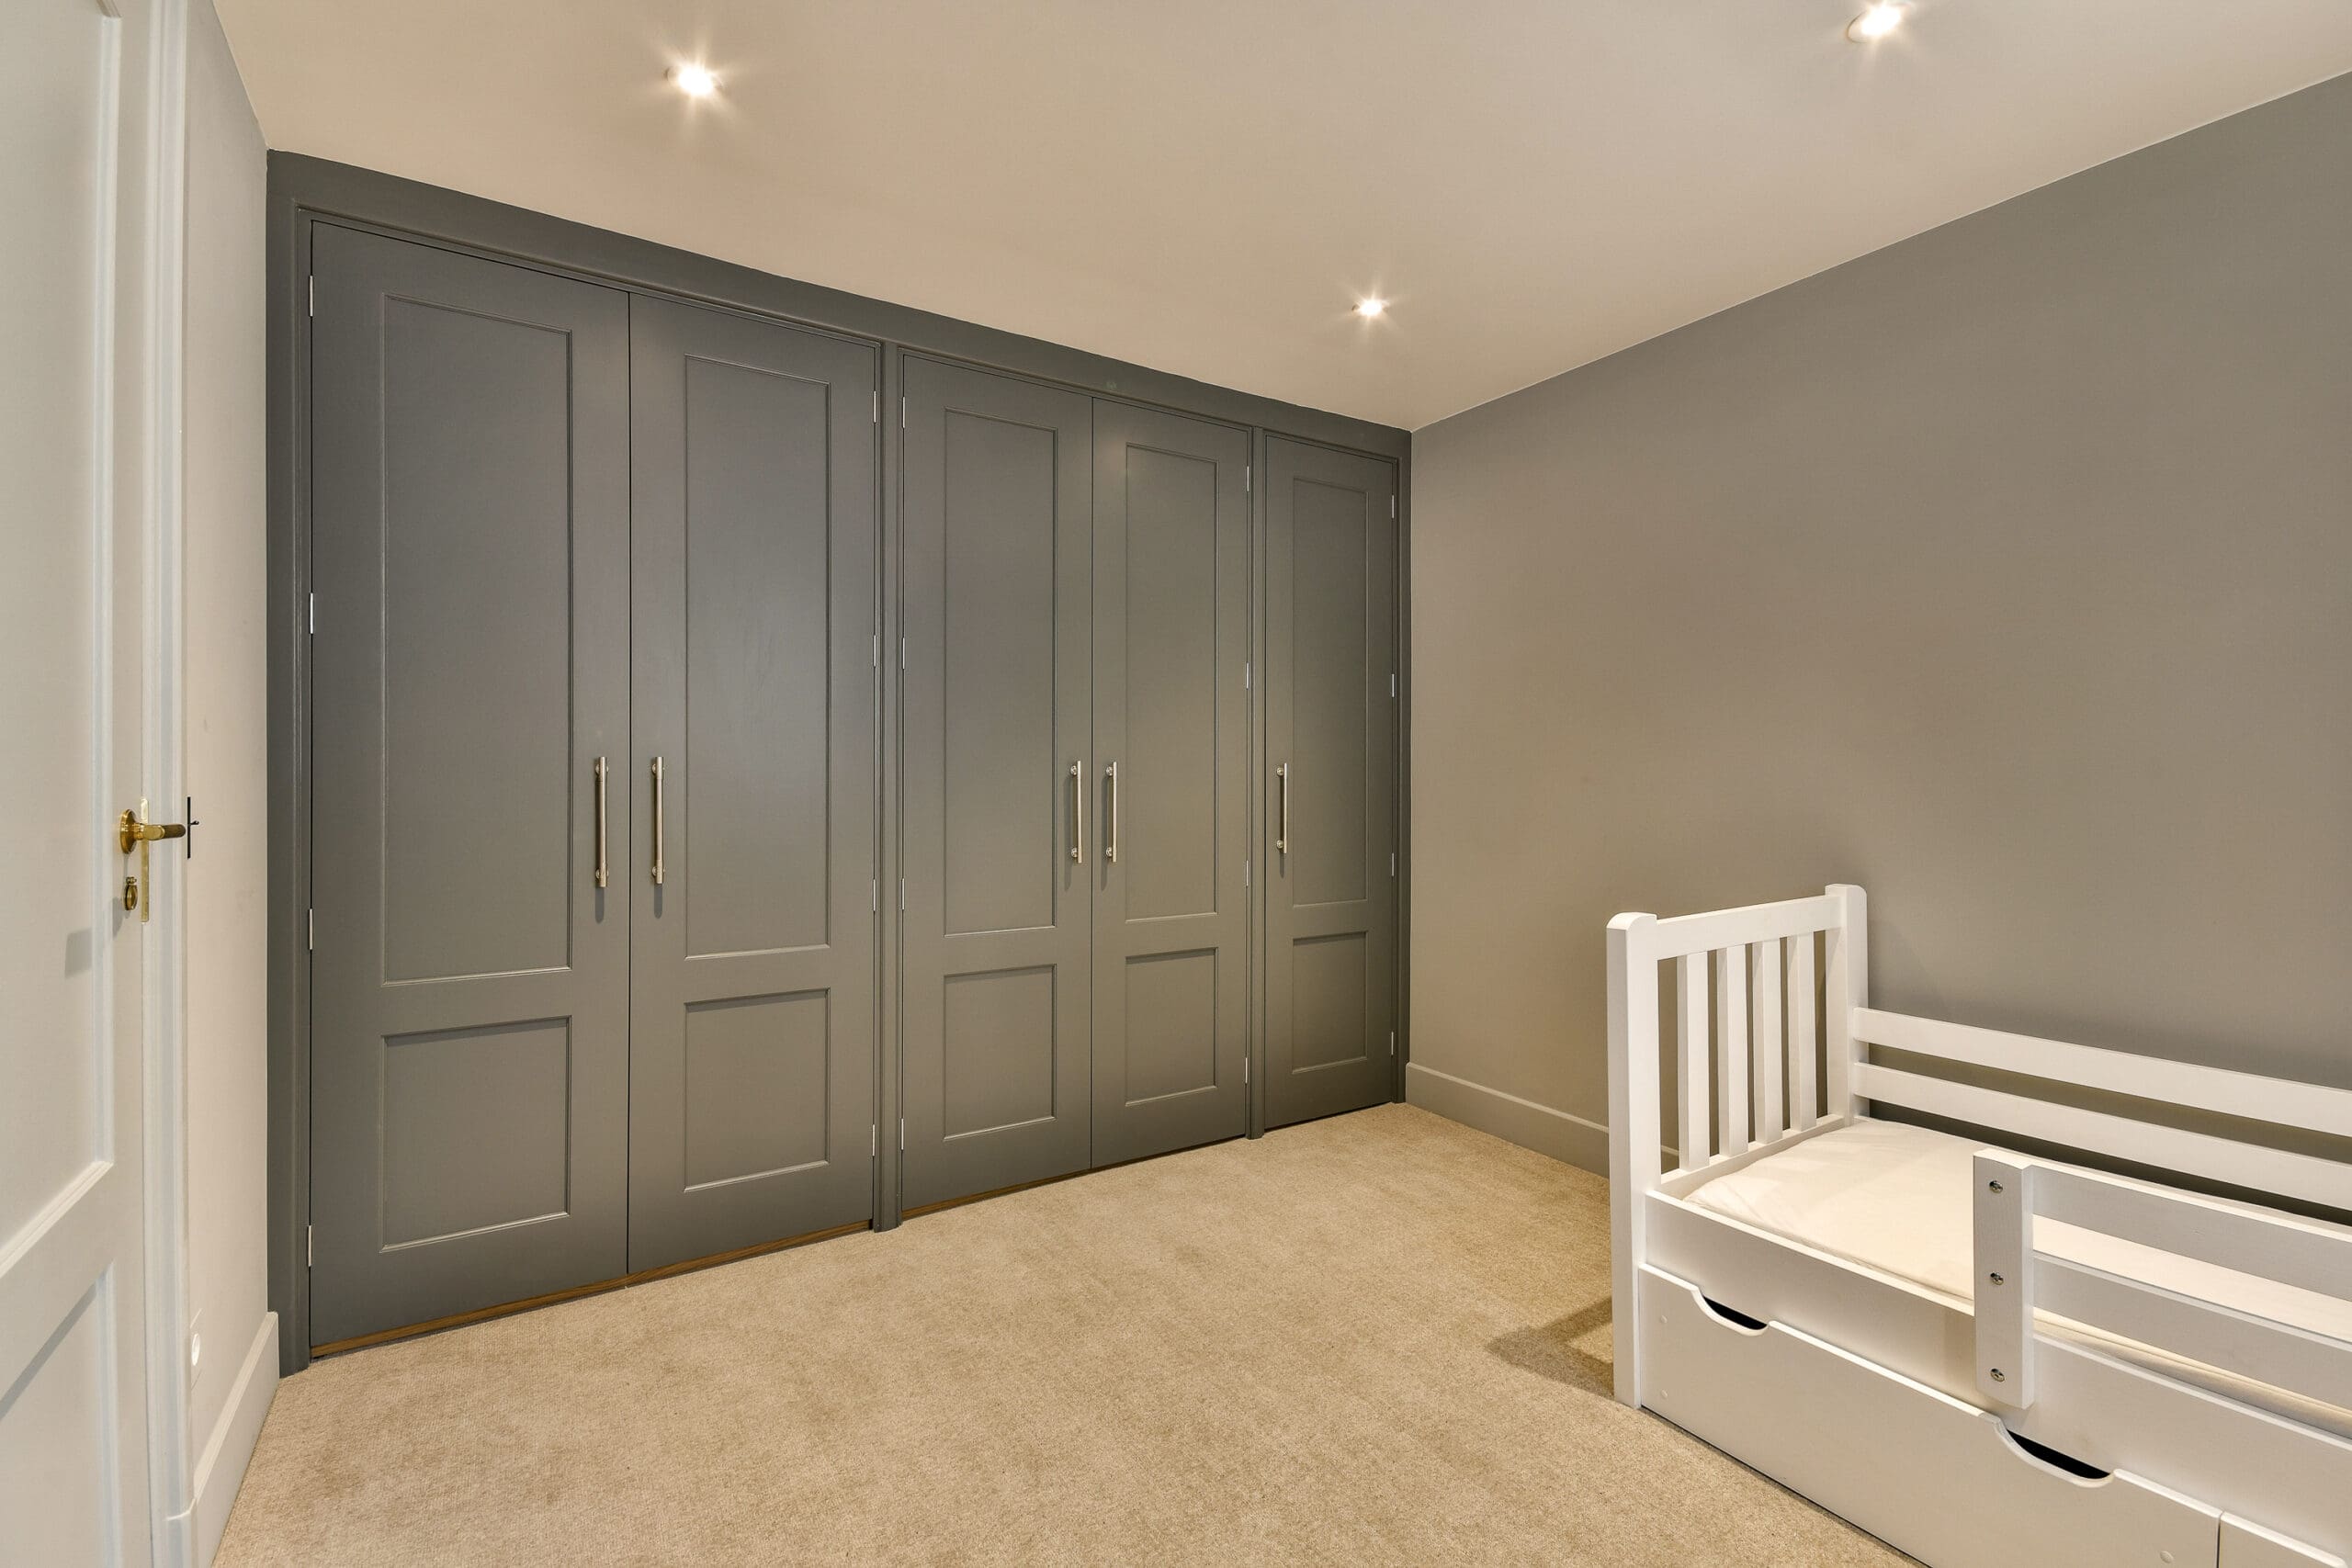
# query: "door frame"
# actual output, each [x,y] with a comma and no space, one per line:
[170,1468]
[304,190]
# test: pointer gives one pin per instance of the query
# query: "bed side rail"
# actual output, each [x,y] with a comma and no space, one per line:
[1757,1057]
[2015,1279]
[2255,1166]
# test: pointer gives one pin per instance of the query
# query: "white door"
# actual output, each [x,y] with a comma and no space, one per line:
[78,514]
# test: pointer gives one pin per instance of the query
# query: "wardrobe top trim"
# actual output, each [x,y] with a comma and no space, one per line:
[319,188]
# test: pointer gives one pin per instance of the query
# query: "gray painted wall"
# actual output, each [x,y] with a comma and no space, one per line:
[2006,571]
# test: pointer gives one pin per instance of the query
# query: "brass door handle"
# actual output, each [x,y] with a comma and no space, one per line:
[131,832]
[657,821]
[1282,809]
[1111,824]
[603,875]
[1078,812]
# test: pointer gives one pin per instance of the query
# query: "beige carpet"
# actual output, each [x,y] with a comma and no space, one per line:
[1379,1339]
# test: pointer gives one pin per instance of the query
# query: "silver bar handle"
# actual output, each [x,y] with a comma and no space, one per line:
[1078,812]
[657,821]
[1111,836]
[603,875]
[1282,809]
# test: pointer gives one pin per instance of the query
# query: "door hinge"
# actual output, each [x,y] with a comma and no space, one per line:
[314,296]
[874,888]
[1392,508]
[312,940]
[877,407]
[309,1245]
[878,650]
[1392,1043]
[1392,862]
[874,1144]
[902,1134]
[902,895]
[1245,675]
[310,616]
[902,653]
[1245,479]
[1392,684]
[902,413]
[1245,1067]
[1245,873]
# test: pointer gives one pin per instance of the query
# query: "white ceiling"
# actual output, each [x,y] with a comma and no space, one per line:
[1206,185]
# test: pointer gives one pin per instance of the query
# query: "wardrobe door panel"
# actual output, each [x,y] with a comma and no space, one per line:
[1172,734]
[997,775]
[751,1015]
[1330,783]
[470,666]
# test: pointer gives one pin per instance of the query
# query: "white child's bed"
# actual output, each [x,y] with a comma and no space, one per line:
[1986,1358]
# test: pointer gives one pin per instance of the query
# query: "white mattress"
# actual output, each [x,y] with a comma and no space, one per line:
[1899,1199]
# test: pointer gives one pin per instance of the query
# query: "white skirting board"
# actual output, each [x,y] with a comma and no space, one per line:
[229,1447]
[1562,1134]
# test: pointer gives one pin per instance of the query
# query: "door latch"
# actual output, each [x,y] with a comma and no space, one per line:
[129,833]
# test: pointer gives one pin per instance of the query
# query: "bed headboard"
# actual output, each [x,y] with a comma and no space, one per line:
[1778,1062]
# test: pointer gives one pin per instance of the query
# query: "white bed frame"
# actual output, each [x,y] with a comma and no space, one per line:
[1944,1432]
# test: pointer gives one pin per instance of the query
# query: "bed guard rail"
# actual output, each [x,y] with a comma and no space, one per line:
[2015,1278]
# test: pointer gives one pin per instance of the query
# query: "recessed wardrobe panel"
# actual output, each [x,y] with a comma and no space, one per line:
[752,1039]
[1331,618]
[996,642]
[1331,785]
[470,552]
[476,536]
[998,784]
[1171,737]
[755,807]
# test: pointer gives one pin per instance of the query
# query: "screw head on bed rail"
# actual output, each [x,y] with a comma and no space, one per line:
[1997,1280]
[1998,1376]
[1994,1185]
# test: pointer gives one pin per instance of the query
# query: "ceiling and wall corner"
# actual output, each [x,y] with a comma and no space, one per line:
[1210,188]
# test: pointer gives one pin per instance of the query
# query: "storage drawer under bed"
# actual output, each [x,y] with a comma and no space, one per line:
[1936,1477]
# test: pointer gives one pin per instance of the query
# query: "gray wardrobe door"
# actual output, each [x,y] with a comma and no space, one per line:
[1171,770]
[1331,817]
[751,1041]
[998,774]
[470,545]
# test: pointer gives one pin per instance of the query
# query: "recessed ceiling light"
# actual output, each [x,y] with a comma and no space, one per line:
[694,81]
[1369,309]
[1879,20]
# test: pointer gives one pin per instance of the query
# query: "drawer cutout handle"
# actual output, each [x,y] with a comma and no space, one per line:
[2067,1463]
[1733,1316]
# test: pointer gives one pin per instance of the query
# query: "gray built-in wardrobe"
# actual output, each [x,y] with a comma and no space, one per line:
[659,895]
